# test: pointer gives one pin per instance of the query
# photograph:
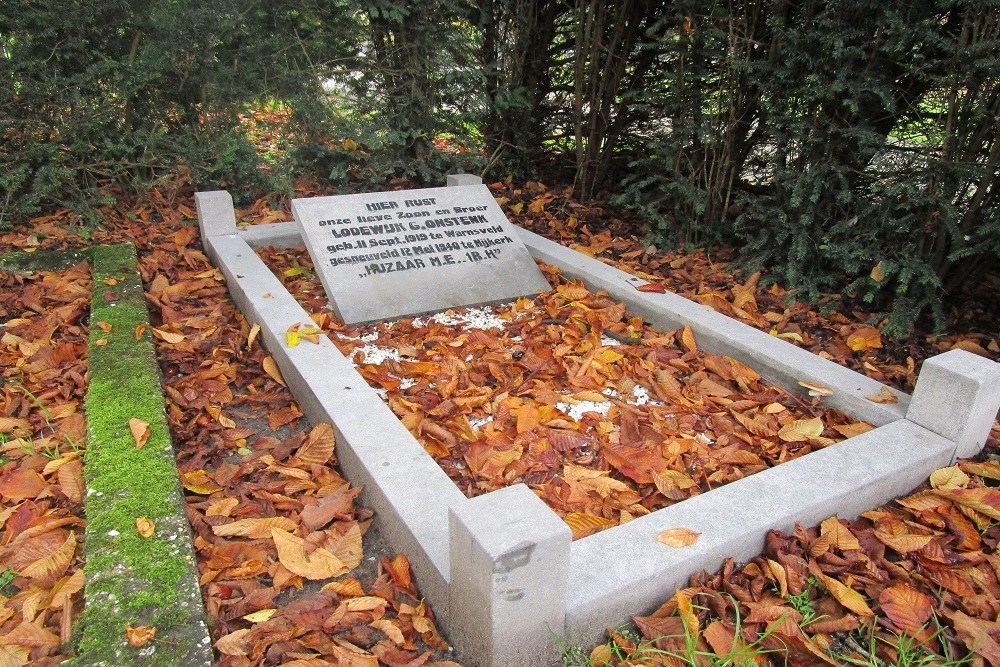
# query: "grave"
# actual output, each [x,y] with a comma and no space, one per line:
[499,569]
[385,255]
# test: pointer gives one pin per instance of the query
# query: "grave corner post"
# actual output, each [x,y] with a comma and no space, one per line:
[509,566]
[455,180]
[216,214]
[957,396]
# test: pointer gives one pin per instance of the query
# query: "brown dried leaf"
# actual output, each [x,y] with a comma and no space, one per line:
[802,429]
[255,529]
[271,368]
[906,607]
[320,564]
[140,431]
[678,537]
[145,527]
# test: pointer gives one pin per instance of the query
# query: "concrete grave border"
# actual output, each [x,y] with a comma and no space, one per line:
[500,570]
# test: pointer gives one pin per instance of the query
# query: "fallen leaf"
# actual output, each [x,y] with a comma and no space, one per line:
[816,389]
[254,528]
[260,615]
[864,338]
[145,527]
[801,429]
[252,336]
[171,337]
[271,368]
[951,477]
[844,594]
[140,635]
[320,564]
[140,431]
[235,643]
[651,287]
[885,395]
[199,481]
[906,607]
[678,537]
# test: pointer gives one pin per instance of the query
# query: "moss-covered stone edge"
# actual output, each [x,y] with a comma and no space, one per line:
[131,580]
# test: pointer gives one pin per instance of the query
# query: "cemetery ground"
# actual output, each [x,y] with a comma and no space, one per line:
[289,570]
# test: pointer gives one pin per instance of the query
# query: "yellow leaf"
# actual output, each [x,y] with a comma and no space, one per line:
[141,329]
[791,335]
[902,542]
[865,338]
[271,368]
[260,615]
[602,656]
[851,430]
[254,331]
[390,630]
[686,611]
[583,524]
[320,564]
[145,527]
[840,535]
[101,342]
[678,537]
[103,326]
[687,339]
[951,477]
[367,603]
[65,589]
[292,338]
[198,481]
[349,144]
[140,635]
[801,429]
[346,588]
[845,595]
[140,431]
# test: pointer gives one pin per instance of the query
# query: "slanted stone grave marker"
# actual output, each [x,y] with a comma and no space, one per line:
[383,255]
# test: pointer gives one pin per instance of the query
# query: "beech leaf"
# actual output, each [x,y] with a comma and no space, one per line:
[140,431]
[906,607]
[678,537]
[319,564]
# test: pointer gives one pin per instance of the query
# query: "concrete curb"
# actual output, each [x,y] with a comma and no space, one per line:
[462,562]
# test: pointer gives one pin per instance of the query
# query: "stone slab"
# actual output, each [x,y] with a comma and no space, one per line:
[384,255]
[402,483]
[509,562]
[778,361]
[957,396]
[624,571]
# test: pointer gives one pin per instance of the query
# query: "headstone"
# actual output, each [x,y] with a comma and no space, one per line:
[384,255]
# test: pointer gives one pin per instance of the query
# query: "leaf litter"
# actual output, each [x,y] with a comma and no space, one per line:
[602,416]
[228,413]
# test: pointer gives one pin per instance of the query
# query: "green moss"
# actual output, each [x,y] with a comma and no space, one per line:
[132,580]
[49,260]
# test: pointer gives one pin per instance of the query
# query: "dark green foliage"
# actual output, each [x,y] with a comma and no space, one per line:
[830,138]
[825,139]
[102,92]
